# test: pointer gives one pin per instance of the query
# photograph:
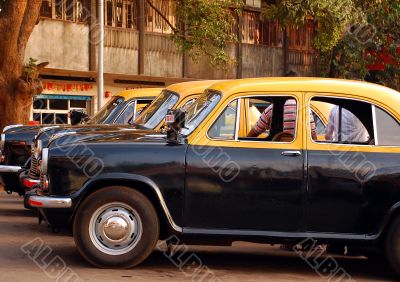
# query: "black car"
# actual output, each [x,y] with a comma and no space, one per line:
[214,180]
[16,141]
[179,95]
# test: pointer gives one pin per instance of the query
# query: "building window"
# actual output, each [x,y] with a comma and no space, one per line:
[255,30]
[53,109]
[121,13]
[301,38]
[154,21]
[67,10]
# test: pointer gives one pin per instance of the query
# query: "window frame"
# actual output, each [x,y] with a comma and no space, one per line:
[239,114]
[374,121]
[237,119]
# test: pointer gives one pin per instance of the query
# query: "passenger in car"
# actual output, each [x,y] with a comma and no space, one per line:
[351,129]
[289,122]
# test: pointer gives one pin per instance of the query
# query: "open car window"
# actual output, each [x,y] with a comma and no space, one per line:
[270,119]
[349,121]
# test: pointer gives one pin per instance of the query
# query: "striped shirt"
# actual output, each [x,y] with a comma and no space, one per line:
[289,119]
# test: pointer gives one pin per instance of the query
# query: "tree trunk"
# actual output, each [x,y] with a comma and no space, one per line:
[17,20]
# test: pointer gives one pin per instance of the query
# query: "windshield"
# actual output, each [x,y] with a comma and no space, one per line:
[106,110]
[199,110]
[157,110]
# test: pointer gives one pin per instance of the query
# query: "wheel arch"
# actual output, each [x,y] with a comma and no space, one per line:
[391,215]
[140,183]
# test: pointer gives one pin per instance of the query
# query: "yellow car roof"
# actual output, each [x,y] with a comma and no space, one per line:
[357,89]
[191,87]
[139,93]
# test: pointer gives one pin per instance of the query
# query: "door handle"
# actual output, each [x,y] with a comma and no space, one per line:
[291,153]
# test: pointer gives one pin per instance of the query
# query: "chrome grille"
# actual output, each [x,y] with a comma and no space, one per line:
[43,182]
[33,171]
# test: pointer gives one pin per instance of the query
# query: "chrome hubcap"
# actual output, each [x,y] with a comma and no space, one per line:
[115,228]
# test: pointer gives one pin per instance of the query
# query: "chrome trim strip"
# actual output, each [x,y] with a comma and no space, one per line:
[166,211]
[278,234]
[50,202]
[237,124]
[375,125]
[45,158]
[9,169]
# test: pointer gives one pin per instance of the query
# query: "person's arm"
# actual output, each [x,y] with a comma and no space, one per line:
[330,126]
[312,127]
[263,124]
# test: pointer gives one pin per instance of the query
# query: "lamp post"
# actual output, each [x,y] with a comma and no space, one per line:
[100,66]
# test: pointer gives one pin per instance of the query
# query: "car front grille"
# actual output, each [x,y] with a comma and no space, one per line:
[43,182]
[33,171]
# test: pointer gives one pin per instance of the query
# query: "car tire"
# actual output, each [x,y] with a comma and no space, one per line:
[116,227]
[393,246]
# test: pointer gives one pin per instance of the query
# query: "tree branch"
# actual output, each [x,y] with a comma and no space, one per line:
[174,29]
[29,21]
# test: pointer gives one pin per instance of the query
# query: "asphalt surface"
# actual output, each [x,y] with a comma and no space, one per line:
[32,252]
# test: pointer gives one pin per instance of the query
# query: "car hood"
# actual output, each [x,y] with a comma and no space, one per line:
[124,135]
[49,133]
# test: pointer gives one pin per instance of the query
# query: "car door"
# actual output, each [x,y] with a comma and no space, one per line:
[353,171]
[238,183]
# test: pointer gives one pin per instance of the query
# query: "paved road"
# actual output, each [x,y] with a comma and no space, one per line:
[242,262]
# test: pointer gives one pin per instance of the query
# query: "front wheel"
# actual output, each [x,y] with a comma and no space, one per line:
[116,227]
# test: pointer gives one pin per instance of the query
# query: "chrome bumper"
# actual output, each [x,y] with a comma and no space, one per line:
[9,169]
[50,202]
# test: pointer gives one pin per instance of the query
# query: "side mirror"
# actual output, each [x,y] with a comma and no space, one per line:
[175,119]
[77,116]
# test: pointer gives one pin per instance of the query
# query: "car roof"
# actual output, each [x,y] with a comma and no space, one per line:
[139,93]
[373,92]
[191,87]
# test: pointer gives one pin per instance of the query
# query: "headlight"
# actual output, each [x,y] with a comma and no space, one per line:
[44,161]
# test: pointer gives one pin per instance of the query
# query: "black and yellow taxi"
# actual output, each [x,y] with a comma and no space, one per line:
[16,140]
[333,177]
[151,117]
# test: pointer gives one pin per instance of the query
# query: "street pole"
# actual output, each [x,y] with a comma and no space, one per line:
[100,66]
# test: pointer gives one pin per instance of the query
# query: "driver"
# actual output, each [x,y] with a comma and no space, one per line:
[289,120]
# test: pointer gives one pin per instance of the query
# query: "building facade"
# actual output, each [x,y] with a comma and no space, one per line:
[139,53]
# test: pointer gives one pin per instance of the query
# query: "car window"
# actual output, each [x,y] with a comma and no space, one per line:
[199,110]
[156,111]
[188,104]
[349,121]
[225,126]
[134,107]
[141,105]
[319,125]
[126,114]
[270,119]
[387,129]
[107,110]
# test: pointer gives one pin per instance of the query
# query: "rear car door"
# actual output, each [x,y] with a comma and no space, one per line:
[353,171]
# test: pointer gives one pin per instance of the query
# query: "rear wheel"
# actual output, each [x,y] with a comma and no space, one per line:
[393,246]
[116,227]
